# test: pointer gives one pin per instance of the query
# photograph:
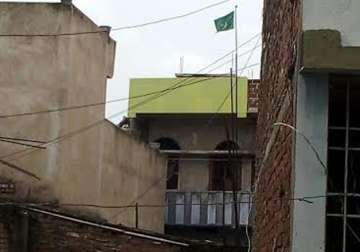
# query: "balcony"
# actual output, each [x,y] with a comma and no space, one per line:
[213,208]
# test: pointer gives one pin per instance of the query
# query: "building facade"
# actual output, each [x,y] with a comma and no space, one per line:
[306,195]
[191,125]
[54,57]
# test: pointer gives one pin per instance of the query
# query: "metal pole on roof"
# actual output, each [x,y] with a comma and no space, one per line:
[236,75]
[235,169]
[137,215]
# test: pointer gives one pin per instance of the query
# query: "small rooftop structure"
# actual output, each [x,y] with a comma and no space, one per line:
[191,94]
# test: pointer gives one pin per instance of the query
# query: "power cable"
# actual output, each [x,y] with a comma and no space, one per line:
[19,169]
[243,54]
[228,94]
[119,28]
[58,139]
[53,110]
[208,123]
[305,199]
[308,142]
[22,139]
[26,152]
[215,114]
[163,92]
[23,144]
[71,134]
[92,125]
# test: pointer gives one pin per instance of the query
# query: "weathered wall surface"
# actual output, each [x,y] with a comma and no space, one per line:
[309,176]
[194,175]
[342,16]
[281,28]
[49,233]
[198,134]
[130,173]
[99,165]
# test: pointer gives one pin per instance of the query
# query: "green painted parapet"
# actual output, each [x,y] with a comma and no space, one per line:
[196,96]
[323,51]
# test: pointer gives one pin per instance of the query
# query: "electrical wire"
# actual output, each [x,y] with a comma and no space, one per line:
[163,20]
[307,140]
[163,92]
[228,94]
[61,138]
[22,139]
[71,134]
[82,106]
[303,199]
[96,123]
[243,54]
[19,169]
[206,124]
[56,204]
[23,144]
[25,152]
[140,196]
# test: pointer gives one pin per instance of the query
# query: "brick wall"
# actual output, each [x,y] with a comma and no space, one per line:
[4,238]
[47,233]
[281,28]
[42,231]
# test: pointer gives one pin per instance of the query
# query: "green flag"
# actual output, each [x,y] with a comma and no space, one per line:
[225,23]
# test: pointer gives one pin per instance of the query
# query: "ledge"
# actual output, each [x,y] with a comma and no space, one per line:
[322,51]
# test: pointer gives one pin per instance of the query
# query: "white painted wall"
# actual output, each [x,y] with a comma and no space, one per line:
[341,15]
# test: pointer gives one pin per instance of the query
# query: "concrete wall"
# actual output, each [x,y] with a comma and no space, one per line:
[194,175]
[196,134]
[340,15]
[99,165]
[130,173]
[310,177]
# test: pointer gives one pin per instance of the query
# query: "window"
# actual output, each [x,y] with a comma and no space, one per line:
[225,172]
[343,201]
[173,162]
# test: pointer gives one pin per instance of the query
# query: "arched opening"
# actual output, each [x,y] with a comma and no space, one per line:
[173,163]
[225,169]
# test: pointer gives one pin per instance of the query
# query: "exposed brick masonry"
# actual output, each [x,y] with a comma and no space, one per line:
[43,232]
[281,28]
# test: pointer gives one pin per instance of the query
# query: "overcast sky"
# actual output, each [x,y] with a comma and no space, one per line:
[155,51]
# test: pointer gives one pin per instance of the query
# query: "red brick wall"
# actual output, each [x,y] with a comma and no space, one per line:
[281,28]
[4,238]
[41,232]
[57,235]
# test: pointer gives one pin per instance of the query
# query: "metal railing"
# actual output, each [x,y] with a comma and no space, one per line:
[212,208]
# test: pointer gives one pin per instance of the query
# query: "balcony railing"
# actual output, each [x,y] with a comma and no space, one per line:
[212,208]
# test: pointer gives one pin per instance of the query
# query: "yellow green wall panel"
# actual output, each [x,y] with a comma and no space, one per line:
[203,97]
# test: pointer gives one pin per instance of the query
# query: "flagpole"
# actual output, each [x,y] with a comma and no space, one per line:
[236,75]
[236,72]
[236,123]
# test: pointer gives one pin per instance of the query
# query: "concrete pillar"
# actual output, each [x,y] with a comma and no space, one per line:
[246,174]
